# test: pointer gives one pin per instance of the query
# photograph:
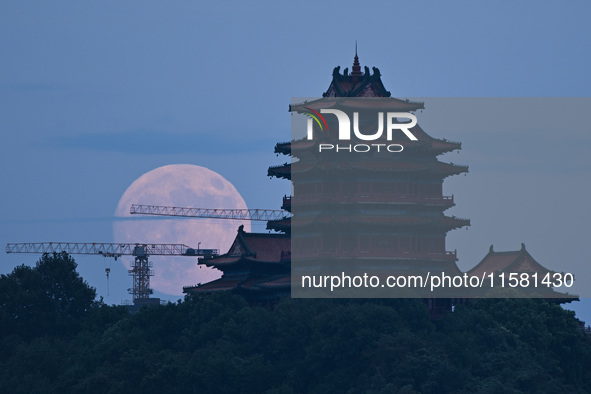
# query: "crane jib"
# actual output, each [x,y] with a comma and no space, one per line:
[210,213]
[111,249]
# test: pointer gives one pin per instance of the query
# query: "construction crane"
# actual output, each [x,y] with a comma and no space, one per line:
[239,214]
[140,269]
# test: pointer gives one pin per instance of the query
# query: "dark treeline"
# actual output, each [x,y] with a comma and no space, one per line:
[55,337]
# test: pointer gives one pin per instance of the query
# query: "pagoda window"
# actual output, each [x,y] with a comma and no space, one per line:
[438,189]
[331,188]
[393,243]
[300,244]
[433,244]
[427,245]
[381,243]
[424,189]
[430,189]
[296,244]
[348,189]
[363,188]
[307,243]
[309,188]
[406,188]
[440,244]
[330,244]
[405,243]
[364,243]
[416,244]
[314,244]
[347,243]
[382,188]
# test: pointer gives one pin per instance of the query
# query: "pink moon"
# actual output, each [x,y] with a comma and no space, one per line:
[179,185]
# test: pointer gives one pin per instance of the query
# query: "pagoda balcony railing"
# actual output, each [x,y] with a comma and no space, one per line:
[283,170]
[380,253]
[283,147]
[377,198]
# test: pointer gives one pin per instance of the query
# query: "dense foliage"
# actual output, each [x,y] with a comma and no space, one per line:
[55,338]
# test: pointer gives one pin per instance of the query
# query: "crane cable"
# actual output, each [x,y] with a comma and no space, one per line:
[108,271]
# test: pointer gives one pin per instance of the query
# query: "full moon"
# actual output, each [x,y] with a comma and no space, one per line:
[179,185]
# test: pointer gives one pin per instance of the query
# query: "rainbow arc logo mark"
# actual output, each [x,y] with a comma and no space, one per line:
[315,115]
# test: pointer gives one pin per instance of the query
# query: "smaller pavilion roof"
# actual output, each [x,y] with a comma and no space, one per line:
[513,261]
[260,248]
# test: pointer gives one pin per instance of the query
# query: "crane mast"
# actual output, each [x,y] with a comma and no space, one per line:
[238,214]
[140,268]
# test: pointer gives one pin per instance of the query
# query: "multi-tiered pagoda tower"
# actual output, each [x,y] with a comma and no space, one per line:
[377,209]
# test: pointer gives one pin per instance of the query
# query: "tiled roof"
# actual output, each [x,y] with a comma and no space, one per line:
[224,283]
[357,83]
[254,247]
[444,222]
[266,247]
[512,261]
[243,282]
[282,281]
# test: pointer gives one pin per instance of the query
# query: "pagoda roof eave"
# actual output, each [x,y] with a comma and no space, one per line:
[221,284]
[283,148]
[377,103]
[280,171]
[437,167]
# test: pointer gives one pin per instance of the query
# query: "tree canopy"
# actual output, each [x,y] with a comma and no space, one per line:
[219,343]
[47,299]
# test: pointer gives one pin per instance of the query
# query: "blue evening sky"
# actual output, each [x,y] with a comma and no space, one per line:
[93,95]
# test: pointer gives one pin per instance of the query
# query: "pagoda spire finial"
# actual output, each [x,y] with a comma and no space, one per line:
[356,66]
